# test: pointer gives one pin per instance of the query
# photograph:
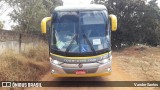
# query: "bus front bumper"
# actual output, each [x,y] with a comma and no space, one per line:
[92,70]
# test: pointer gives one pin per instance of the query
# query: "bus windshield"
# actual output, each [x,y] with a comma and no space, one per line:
[80,31]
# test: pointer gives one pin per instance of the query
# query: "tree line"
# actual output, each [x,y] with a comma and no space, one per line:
[138,20]
[29,13]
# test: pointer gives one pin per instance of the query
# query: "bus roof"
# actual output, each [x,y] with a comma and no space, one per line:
[80,7]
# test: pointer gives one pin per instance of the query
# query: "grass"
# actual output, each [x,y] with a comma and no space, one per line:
[29,65]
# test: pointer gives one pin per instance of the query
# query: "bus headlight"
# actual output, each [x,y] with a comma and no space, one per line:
[56,62]
[105,60]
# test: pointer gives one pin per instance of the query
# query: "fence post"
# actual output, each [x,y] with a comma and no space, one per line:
[20,42]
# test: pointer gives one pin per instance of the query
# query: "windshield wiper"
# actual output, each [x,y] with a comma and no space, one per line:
[70,45]
[89,43]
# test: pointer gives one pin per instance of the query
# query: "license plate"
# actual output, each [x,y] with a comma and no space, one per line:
[80,72]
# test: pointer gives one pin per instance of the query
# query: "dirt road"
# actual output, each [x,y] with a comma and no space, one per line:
[126,66]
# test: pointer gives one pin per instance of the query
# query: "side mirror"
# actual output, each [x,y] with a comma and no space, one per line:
[44,24]
[113,19]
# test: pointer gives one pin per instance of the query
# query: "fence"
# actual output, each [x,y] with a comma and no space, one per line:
[17,41]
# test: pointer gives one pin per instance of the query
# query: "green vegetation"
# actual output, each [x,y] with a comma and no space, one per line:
[29,13]
[138,22]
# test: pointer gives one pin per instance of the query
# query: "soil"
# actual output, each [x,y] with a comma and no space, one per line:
[136,63]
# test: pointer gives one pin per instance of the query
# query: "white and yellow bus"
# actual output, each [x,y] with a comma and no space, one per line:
[80,40]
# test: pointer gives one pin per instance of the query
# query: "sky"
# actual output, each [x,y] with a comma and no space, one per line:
[71,2]
[4,17]
[6,10]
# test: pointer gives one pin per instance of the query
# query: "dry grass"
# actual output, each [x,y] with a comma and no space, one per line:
[28,65]
[140,62]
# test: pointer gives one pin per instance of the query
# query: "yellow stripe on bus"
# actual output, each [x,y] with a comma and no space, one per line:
[79,57]
[85,75]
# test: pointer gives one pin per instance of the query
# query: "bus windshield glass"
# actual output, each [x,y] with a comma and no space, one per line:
[80,31]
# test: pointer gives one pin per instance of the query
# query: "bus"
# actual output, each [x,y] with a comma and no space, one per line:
[80,40]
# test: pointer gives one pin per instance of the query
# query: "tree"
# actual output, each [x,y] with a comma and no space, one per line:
[29,13]
[138,22]
[152,24]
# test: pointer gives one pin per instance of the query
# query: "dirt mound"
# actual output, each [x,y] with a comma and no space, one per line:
[138,47]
